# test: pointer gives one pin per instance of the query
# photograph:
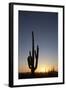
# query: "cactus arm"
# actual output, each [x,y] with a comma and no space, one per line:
[36,61]
[29,60]
[36,56]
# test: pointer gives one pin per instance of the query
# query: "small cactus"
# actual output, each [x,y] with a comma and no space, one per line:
[32,57]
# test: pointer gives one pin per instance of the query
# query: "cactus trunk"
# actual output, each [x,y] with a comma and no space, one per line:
[33,50]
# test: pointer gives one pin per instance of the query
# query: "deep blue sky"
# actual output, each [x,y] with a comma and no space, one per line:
[45,27]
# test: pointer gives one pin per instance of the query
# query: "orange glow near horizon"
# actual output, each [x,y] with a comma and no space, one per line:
[46,68]
[41,68]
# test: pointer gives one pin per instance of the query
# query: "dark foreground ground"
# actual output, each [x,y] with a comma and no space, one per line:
[37,75]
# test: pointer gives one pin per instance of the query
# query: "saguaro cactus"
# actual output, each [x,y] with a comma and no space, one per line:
[33,58]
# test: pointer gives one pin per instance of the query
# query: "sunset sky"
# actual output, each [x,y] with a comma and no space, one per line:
[45,27]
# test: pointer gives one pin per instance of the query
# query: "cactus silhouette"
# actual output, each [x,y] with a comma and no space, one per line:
[33,57]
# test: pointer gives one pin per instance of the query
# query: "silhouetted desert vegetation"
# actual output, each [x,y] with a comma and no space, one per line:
[38,75]
[32,60]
